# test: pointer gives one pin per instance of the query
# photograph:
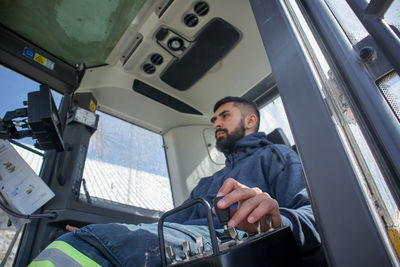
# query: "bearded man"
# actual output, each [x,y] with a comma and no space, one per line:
[263,180]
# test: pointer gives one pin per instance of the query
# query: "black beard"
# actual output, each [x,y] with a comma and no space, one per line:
[226,144]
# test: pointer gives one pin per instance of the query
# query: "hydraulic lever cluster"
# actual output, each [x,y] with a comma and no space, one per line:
[273,248]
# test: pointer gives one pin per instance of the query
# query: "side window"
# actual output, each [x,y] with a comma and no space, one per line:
[353,28]
[273,116]
[392,17]
[388,84]
[126,164]
[216,156]
[13,91]
[371,169]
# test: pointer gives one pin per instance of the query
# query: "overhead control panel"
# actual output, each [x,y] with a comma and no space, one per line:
[180,52]
[215,40]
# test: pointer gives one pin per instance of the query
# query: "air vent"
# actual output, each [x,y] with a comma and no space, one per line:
[163,98]
[201,8]
[190,20]
[156,59]
[149,68]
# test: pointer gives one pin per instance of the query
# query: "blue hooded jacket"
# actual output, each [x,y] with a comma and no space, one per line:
[276,170]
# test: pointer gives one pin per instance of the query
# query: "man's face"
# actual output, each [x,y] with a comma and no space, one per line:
[229,126]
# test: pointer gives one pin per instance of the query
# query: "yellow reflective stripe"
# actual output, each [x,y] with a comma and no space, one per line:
[69,250]
[394,234]
[44,263]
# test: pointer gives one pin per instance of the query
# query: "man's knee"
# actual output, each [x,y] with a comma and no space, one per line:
[60,253]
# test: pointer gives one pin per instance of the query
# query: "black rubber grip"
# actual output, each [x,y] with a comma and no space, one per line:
[222,214]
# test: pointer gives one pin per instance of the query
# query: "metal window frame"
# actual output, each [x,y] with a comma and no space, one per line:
[372,19]
[379,121]
[63,78]
[348,230]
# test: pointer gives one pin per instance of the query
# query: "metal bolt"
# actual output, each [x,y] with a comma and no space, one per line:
[368,54]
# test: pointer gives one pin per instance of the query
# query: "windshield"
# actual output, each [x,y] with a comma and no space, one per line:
[75,31]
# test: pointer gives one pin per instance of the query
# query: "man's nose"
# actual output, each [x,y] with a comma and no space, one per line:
[217,124]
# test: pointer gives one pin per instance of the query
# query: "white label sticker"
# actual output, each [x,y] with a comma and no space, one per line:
[19,184]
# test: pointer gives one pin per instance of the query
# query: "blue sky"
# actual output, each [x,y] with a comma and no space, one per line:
[14,89]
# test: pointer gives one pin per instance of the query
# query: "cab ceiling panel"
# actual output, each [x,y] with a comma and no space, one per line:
[190,37]
[204,49]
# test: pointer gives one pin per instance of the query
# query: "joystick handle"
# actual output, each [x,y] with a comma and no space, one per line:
[222,214]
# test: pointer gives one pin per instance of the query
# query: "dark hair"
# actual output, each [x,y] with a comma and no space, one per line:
[239,101]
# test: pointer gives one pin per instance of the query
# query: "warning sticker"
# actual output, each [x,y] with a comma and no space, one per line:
[92,106]
[29,53]
[38,58]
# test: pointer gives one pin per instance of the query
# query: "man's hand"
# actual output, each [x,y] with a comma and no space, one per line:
[70,228]
[253,205]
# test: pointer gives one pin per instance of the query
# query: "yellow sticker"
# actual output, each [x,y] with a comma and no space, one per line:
[394,233]
[92,106]
[40,59]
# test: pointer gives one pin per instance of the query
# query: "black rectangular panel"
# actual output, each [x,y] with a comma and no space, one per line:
[216,39]
[163,98]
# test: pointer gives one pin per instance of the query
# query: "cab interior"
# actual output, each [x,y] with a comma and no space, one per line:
[158,64]
[124,51]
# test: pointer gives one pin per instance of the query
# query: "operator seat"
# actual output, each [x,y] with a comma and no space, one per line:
[277,136]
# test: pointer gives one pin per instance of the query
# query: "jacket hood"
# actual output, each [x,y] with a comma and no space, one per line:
[246,146]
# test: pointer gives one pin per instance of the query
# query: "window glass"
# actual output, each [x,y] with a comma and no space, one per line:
[14,88]
[216,156]
[273,116]
[73,30]
[392,16]
[126,164]
[365,164]
[351,25]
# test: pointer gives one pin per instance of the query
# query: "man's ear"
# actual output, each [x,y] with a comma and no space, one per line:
[251,121]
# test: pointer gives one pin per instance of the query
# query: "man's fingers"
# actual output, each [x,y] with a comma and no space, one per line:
[253,206]
[238,195]
[247,207]
[267,205]
[257,209]
[268,213]
[70,228]
[228,186]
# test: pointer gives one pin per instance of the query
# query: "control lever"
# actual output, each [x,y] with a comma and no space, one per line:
[186,249]
[223,215]
[200,245]
[277,248]
[171,254]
